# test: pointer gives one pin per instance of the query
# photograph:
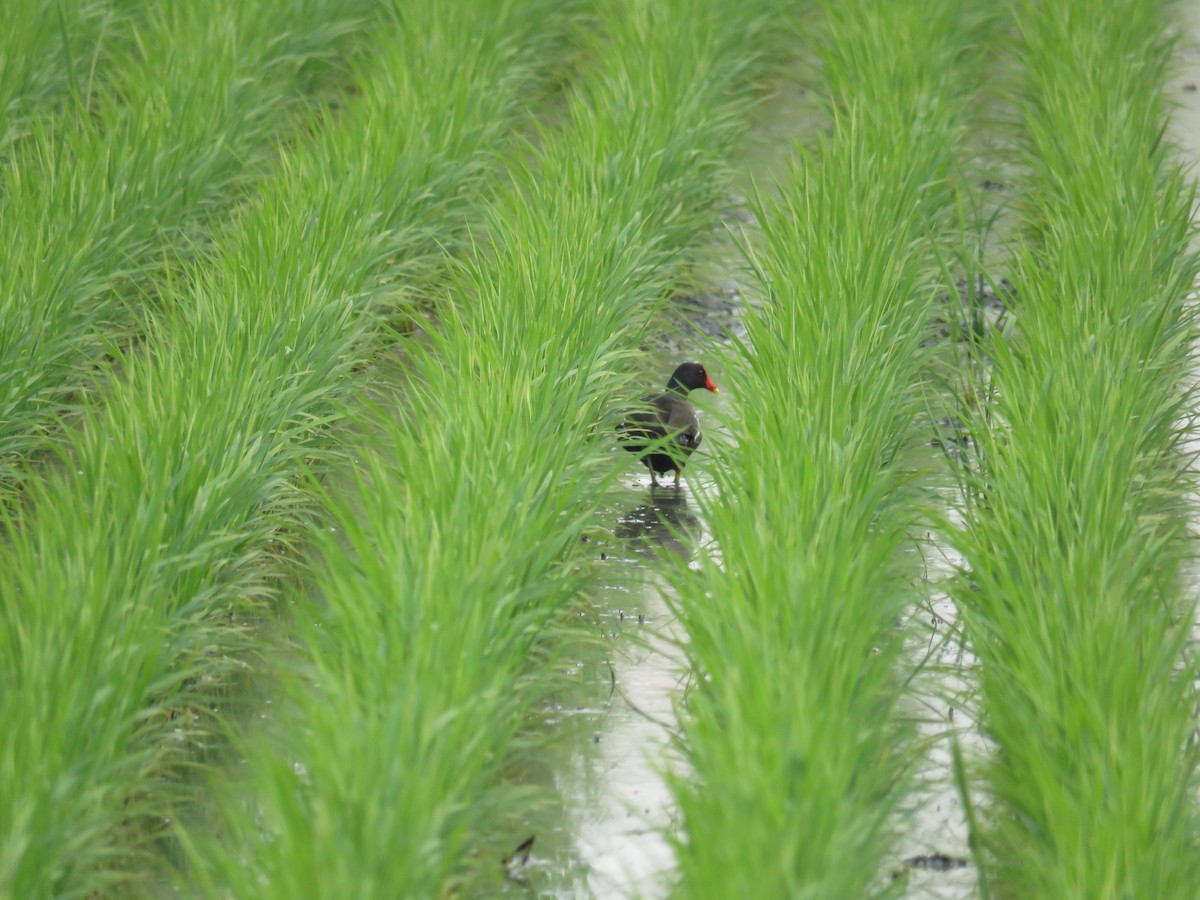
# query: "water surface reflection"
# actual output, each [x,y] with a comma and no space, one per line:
[663,522]
[616,810]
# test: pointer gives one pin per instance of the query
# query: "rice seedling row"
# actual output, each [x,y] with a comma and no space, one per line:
[453,558]
[1076,535]
[123,585]
[797,749]
[102,210]
[428,630]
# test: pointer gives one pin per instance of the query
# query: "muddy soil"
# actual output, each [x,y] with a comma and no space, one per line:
[608,838]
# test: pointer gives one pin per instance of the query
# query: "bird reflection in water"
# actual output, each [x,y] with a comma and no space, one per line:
[664,523]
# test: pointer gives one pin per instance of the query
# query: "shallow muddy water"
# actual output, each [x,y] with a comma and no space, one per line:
[623,804]
[1183,91]
[933,850]
[610,837]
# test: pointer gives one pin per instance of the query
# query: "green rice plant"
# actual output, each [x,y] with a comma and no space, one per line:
[101,210]
[1076,535]
[455,549]
[124,585]
[50,55]
[797,748]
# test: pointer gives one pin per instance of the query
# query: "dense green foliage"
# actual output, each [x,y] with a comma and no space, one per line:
[117,587]
[793,733]
[51,57]
[314,318]
[101,209]
[1077,519]
[433,607]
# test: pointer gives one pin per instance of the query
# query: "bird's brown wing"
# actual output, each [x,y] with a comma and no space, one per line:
[681,422]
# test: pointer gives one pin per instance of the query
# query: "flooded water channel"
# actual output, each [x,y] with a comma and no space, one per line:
[610,838]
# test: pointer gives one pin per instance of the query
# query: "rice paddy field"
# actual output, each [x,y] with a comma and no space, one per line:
[322,571]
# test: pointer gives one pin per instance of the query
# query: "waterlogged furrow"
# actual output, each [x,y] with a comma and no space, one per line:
[120,590]
[797,749]
[1077,520]
[99,211]
[461,536]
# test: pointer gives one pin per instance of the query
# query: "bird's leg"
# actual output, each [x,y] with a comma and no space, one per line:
[653,479]
[678,472]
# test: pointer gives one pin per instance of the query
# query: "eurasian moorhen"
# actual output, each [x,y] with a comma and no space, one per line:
[667,415]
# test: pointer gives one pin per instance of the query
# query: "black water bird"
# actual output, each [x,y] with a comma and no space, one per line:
[664,429]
